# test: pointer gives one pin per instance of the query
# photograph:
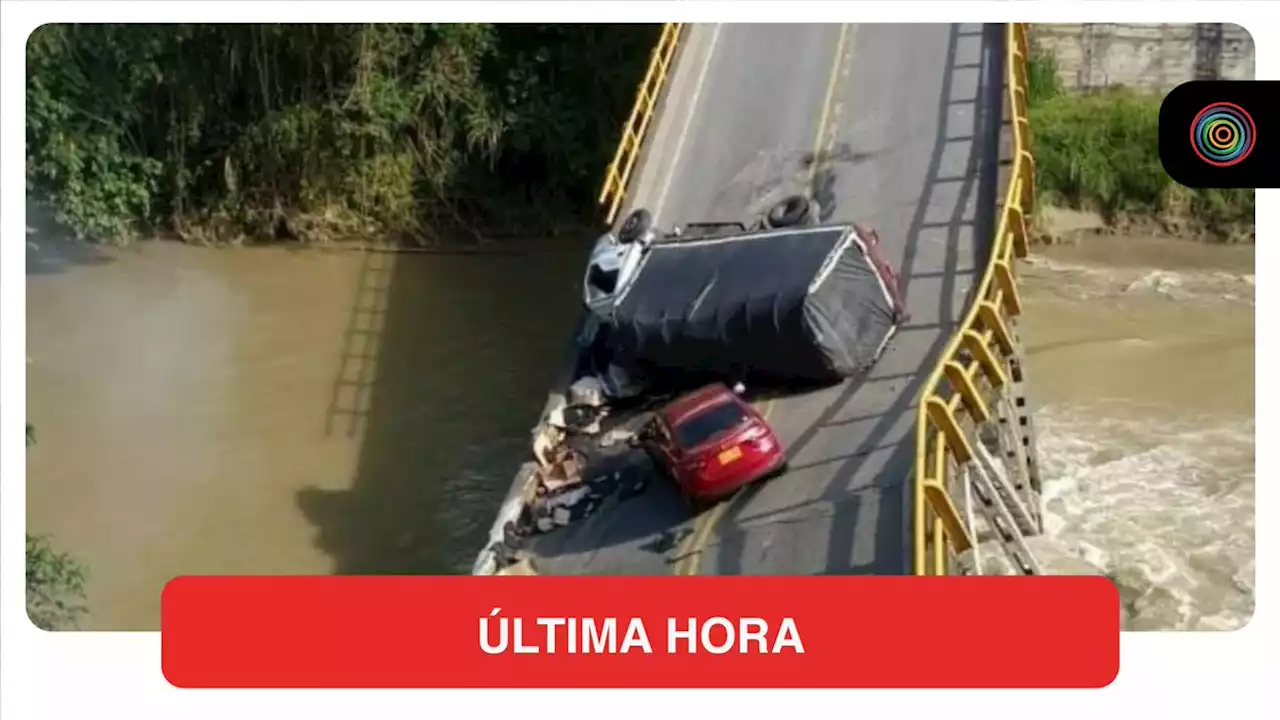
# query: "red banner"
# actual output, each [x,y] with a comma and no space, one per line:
[663,632]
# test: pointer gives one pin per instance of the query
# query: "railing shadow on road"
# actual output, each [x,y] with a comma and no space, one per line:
[938,532]
[980,177]
[654,520]
[733,542]
[659,516]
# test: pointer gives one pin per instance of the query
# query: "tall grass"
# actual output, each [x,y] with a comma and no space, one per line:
[1099,152]
[1042,78]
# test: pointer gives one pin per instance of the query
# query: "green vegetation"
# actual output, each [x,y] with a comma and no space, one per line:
[55,581]
[1099,152]
[55,586]
[325,132]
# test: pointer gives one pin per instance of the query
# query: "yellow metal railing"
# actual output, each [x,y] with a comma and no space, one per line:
[977,349]
[624,159]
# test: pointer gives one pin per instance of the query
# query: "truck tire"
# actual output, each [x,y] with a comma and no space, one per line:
[790,211]
[635,225]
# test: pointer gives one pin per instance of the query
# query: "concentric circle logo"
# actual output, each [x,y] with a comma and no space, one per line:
[1223,134]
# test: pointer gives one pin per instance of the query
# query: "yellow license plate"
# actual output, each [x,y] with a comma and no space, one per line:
[730,455]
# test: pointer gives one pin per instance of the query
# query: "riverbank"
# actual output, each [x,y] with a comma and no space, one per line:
[1097,154]
[1059,225]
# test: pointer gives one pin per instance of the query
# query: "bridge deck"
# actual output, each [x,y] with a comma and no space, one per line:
[905,124]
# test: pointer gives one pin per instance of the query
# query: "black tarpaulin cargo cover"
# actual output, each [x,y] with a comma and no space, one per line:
[799,304]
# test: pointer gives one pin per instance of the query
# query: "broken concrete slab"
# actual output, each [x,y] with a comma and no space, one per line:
[564,469]
[546,438]
[587,391]
[523,566]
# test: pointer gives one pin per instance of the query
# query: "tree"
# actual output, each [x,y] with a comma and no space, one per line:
[324,131]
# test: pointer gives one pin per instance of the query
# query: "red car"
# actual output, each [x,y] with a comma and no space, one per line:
[713,443]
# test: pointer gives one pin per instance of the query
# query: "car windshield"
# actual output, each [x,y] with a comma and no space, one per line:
[602,282]
[709,423]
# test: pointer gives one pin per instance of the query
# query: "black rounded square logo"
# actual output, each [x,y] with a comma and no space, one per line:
[1221,134]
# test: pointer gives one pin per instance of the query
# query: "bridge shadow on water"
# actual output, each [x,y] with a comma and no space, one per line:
[441,375]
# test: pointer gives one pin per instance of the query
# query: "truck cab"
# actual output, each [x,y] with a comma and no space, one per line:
[617,256]
[614,261]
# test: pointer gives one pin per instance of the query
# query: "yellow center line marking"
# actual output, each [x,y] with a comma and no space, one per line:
[819,144]
[688,556]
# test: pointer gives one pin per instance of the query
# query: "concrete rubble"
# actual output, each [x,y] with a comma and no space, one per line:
[587,391]
[563,468]
[578,464]
[584,455]
[523,566]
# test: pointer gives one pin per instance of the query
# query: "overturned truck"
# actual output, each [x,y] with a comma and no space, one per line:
[811,304]
[783,300]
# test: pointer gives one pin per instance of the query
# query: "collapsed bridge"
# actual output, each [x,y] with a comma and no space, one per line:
[919,131]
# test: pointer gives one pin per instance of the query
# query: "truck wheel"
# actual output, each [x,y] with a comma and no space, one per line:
[635,226]
[792,210]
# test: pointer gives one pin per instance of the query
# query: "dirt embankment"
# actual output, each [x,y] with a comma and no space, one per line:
[1065,226]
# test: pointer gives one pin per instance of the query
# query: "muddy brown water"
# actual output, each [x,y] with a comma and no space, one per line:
[259,411]
[1141,358]
[275,411]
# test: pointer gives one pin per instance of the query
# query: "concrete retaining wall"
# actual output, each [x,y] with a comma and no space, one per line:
[1149,57]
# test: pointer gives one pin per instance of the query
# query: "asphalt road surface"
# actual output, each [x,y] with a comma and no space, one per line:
[895,126]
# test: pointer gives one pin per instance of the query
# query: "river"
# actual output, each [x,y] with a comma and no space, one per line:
[267,410]
[260,411]
[1141,357]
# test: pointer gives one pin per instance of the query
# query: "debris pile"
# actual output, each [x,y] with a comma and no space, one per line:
[664,309]
[578,464]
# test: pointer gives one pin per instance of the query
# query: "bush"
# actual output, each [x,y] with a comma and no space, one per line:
[55,581]
[55,586]
[1099,151]
[267,130]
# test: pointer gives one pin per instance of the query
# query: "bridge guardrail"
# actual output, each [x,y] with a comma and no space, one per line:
[972,355]
[618,174]
[975,353]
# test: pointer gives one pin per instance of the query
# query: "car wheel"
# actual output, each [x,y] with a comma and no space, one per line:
[696,504]
[635,226]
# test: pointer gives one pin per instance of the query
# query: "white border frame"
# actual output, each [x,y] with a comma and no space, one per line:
[1173,675]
